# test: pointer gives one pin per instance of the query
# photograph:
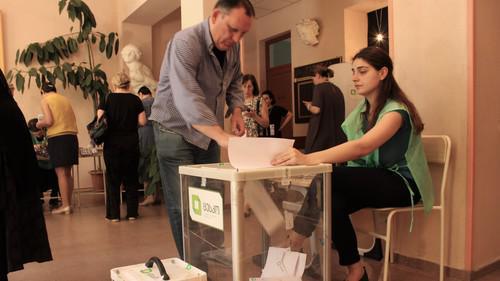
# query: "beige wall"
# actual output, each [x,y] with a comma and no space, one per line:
[40,21]
[486,227]
[126,8]
[195,11]
[431,66]
[356,28]
[162,33]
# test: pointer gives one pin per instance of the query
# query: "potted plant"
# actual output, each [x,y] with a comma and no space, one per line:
[56,60]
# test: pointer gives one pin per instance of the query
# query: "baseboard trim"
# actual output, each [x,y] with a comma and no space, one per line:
[485,270]
[433,268]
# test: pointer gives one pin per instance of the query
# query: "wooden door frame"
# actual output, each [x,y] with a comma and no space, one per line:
[273,40]
[280,69]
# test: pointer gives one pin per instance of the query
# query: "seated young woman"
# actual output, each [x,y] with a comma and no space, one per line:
[386,162]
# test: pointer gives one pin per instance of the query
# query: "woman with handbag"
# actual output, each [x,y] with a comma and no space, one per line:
[60,121]
[124,113]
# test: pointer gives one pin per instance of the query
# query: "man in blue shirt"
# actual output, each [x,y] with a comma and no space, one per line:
[199,74]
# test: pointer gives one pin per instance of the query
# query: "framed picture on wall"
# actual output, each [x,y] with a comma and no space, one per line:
[303,92]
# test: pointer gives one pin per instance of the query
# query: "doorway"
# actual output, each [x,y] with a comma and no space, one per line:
[279,74]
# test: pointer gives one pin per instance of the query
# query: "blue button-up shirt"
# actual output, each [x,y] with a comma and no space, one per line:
[193,86]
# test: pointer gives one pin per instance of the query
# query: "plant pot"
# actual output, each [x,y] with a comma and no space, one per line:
[97,179]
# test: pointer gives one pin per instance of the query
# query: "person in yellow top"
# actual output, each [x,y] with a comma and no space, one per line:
[59,119]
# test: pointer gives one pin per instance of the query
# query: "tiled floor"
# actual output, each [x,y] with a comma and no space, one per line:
[85,246]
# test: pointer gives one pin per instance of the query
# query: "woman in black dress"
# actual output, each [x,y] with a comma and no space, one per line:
[124,112]
[277,114]
[23,237]
[328,113]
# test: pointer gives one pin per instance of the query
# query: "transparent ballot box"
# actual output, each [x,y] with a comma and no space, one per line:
[234,219]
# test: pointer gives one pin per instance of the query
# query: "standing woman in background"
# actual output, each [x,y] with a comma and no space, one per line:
[276,115]
[328,113]
[60,121]
[124,112]
[23,236]
[256,113]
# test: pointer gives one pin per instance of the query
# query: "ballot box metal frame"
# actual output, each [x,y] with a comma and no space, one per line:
[236,177]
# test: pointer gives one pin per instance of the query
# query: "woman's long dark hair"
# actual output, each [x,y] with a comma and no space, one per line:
[252,79]
[270,95]
[389,88]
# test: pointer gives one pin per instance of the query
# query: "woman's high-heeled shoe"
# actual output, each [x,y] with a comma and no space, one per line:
[62,211]
[365,275]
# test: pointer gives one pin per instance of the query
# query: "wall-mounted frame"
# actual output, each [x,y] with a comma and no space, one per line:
[304,87]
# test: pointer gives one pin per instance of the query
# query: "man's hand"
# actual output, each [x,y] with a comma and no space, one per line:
[39,124]
[237,124]
[307,104]
[214,132]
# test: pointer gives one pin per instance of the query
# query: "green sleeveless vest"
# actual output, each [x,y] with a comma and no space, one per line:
[414,155]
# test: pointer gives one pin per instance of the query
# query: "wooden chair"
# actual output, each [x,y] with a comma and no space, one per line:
[437,151]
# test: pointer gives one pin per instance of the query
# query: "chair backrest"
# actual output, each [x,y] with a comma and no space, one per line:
[437,151]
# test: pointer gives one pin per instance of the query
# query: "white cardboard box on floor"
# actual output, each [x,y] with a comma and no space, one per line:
[177,269]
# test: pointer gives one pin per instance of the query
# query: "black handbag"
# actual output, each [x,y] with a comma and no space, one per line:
[97,129]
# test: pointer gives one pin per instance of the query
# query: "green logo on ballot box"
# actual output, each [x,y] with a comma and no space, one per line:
[196,204]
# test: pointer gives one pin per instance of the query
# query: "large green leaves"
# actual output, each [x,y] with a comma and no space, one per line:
[62,4]
[20,82]
[110,46]
[54,56]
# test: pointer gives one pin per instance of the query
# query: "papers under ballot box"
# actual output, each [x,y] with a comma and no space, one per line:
[236,222]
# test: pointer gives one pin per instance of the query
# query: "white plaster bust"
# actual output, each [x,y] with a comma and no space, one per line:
[140,75]
[308,30]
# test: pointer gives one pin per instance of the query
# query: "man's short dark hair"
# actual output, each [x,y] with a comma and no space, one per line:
[32,125]
[144,90]
[231,4]
[47,86]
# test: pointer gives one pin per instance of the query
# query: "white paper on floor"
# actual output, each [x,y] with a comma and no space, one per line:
[253,153]
[283,264]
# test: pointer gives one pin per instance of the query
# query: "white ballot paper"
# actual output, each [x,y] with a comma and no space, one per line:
[283,264]
[253,153]
[266,212]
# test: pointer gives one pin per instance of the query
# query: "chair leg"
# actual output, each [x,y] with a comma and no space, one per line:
[391,249]
[441,250]
[387,247]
